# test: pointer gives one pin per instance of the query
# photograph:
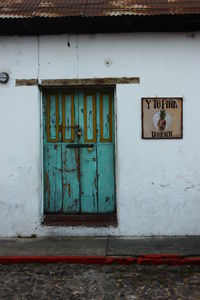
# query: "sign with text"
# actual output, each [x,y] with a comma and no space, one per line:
[162,118]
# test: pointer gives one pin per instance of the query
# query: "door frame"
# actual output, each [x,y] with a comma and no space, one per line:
[88,220]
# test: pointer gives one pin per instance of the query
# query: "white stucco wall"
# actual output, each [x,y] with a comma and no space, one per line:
[158,181]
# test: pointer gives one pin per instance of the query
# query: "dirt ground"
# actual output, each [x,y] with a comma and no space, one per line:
[64,281]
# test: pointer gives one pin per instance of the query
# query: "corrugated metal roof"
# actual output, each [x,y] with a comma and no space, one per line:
[95,8]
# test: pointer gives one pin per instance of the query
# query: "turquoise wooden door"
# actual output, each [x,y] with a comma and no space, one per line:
[79,151]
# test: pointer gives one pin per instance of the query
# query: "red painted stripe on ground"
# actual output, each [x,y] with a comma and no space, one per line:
[163,259]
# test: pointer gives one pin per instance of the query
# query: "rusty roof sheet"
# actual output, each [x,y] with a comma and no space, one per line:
[95,8]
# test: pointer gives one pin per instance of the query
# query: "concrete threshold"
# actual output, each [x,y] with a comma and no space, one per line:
[101,250]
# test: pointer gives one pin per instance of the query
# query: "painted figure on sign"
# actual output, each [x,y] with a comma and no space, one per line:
[162,122]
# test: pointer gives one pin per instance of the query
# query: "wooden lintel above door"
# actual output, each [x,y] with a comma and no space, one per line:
[80,82]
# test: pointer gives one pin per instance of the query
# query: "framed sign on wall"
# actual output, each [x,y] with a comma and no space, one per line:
[162,118]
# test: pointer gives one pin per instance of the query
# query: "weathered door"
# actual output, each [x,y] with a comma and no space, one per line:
[79,151]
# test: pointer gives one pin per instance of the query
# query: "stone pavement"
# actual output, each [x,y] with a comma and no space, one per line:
[99,282]
[100,246]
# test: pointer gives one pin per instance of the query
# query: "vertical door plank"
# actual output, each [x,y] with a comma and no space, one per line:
[68,117]
[79,116]
[90,118]
[52,178]
[106,179]
[70,156]
[52,118]
[88,180]
[70,159]
[106,117]
[105,155]
[67,120]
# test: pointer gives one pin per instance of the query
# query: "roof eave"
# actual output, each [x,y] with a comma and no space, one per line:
[82,24]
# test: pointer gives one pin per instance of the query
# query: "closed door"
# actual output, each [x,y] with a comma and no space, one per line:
[79,151]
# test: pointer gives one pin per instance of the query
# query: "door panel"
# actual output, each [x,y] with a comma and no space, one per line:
[71,178]
[79,164]
[53,178]
[68,130]
[80,114]
[105,154]
[106,118]
[88,180]
[53,118]
[106,188]
[90,118]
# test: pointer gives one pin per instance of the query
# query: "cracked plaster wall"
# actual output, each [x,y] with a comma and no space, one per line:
[158,181]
